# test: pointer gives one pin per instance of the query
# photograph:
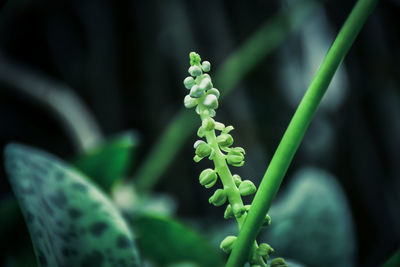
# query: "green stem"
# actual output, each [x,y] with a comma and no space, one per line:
[228,183]
[224,173]
[296,130]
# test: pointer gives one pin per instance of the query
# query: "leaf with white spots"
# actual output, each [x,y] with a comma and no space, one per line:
[71,222]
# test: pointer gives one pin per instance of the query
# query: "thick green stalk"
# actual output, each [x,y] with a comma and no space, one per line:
[296,130]
[232,71]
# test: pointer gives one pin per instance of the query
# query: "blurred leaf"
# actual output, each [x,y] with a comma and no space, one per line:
[166,241]
[393,261]
[71,222]
[107,163]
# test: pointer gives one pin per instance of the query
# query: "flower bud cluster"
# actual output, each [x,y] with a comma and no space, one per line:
[200,86]
[204,98]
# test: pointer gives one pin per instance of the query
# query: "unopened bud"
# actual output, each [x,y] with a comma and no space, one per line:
[194,58]
[228,243]
[267,220]
[247,188]
[227,129]
[189,82]
[228,212]
[208,124]
[278,262]
[211,101]
[197,158]
[212,113]
[237,150]
[195,71]
[237,179]
[196,92]
[206,66]
[214,91]
[224,140]
[189,102]
[264,250]
[197,143]
[198,109]
[208,177]
[201,132]
[238,210]
[219,126]
[205,84]
[219,198]
[235,160]
[203,150]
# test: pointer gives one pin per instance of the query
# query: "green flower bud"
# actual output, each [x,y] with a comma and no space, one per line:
[194,58]
[237,151]
[196,92]
[267,220]
[189,82]
[206,66]
[227,129]
[201,132]
[208,176]
[237,179]
[189,102]
[212,113]
[238,210]
[195,71]
[247,207]
[247,188]
[224,140]
[219,126]
[228,212]
[219,198]
[203,150]
[264,250]
[198,109]
[278,262]
[197,143]
[235,160]
[211,184]
[214,91]
[228,243]
[208,124]
[197,158]
[211,101]
[205,75]
[205,84]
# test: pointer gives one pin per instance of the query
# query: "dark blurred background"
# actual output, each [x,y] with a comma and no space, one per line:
[105,67]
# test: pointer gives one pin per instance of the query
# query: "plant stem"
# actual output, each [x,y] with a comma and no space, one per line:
[233,70]
[296,130]
[234,197]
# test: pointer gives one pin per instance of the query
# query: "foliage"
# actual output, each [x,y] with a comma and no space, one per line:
[71,222]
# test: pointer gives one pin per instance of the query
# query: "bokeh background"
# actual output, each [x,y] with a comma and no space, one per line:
[76,73]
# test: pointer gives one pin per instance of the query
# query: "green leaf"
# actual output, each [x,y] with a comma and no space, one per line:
[166,241]
[107,163]
[394,260]
[71,222]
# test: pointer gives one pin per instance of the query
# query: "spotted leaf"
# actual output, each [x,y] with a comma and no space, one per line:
[71,222]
